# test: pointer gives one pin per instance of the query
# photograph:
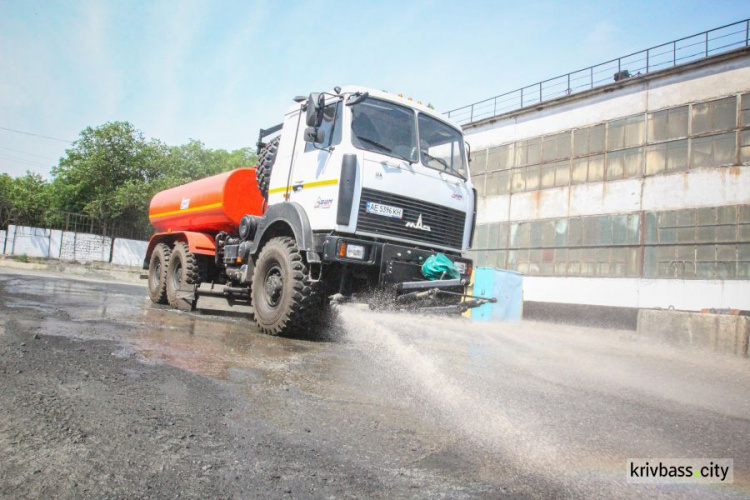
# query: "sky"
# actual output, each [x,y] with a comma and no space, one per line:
[218,71]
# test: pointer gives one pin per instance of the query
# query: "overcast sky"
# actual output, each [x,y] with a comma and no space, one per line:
[219,71]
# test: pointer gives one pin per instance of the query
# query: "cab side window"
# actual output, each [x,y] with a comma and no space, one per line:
[332,127]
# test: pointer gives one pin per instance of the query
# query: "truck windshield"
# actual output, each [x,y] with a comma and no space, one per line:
[441,146]
[385,127]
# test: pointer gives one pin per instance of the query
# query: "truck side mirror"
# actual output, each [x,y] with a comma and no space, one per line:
[315,105]
[315,135]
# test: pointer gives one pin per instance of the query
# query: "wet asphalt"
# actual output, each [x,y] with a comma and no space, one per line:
[103,394]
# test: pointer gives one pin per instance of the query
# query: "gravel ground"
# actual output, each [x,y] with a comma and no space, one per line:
[103,395]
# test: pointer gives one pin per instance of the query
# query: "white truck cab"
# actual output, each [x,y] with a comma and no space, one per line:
[411,181]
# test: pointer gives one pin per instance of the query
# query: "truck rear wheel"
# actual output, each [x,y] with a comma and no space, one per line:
[183,272]
[157,274]
[284,298]
[265,165]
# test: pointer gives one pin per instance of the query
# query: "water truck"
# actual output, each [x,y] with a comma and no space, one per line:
[358,195]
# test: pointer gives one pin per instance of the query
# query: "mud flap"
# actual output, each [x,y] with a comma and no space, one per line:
[187,298]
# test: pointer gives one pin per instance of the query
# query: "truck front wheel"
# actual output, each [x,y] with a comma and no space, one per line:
[157,274]
[284,298]
[183,272]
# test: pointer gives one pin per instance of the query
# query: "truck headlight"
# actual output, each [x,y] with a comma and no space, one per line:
[461,266]
[355,252]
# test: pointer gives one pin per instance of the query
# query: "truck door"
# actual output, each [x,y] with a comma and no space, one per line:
[316,170]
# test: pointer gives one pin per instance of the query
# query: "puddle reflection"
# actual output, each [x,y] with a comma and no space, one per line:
[211,345]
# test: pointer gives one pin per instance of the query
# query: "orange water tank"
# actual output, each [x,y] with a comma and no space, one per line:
[213,204]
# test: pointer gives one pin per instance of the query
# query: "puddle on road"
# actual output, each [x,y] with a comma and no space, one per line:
[212,345]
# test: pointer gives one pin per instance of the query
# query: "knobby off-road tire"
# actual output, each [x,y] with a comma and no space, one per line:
[185,270]
[266,161]
[157,274]
[285,300]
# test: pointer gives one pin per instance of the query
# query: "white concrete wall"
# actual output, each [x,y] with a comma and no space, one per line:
[82,247]
[30,241]
[704,83]
[689,295]
[66,245]
[129,252]
[55,244]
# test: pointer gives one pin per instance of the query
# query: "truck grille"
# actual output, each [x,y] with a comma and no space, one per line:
[446,224]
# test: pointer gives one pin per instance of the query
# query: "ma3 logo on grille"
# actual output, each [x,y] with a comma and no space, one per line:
[418,225]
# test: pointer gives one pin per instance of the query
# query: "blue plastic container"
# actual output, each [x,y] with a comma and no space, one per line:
[506,286]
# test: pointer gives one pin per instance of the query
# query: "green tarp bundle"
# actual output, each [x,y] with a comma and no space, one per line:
[438,267]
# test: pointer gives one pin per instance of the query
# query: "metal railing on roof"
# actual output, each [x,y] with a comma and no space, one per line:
[684,50]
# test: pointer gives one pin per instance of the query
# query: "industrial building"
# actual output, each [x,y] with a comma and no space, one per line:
[625,185]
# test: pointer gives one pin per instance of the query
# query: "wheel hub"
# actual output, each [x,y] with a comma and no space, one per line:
[156,276]
[177,276]
[274,285]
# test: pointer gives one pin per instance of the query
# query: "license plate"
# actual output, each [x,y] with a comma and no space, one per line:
[384,210]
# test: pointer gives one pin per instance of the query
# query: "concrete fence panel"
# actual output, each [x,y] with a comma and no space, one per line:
[83,247]
[55,244]
[723,333]
[30,241]
[67,245]
[129,252]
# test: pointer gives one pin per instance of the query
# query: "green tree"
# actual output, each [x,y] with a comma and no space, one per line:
[102,160]
[23,199]
[110,173]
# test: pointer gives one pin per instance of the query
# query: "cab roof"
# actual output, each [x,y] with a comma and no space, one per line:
[388,96]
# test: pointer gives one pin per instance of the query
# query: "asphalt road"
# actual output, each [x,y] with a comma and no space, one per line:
[104,395]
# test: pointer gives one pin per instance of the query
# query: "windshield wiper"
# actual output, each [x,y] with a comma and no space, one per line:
[375,143]
[384,148]
[444,163]
[439,160]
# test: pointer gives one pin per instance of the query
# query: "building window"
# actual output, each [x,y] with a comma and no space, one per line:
[525,179]
[745,110]
[703,243]
[555,174]
[745,147]
[498,182]
[713,151]
[714,116]
[668,125]
[666,157]
[492,236]
[528,152]
[624,164]
[692,262]
[478,162]
[625,133]
[478,181]
[588,169]
[590,140]
[501,157]
[743,261]
[556,147]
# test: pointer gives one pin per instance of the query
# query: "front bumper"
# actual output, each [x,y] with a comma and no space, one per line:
[398,264]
